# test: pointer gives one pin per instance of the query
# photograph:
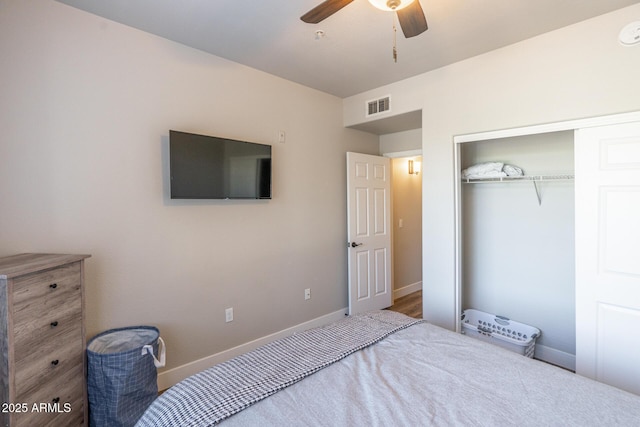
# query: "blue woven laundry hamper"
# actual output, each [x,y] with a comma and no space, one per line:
[122,374]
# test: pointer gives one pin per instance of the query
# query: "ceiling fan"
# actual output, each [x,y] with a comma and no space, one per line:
[410,14]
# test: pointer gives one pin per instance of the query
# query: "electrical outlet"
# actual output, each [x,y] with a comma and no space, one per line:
[307,294]
[228,314]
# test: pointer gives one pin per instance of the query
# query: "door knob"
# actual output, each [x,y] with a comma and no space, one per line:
[354,244]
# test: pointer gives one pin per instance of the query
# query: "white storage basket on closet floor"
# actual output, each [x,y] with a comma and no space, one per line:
[499,330]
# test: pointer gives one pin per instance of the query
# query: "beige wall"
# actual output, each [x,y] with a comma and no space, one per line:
[85,109]
[575,72]
[410,140]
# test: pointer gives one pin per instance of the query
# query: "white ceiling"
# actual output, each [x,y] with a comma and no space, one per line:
[355,54]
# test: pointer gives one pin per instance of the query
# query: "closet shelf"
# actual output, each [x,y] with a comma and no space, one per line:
[526,178]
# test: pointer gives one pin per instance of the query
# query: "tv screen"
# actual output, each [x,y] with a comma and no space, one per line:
[208,167]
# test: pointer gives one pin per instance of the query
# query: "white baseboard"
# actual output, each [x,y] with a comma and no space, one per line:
[555,357]
[406,290]
[173,376]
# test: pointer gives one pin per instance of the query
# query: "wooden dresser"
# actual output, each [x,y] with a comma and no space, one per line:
[42,340]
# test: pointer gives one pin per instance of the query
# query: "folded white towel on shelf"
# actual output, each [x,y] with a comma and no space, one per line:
[483,169]
[512,170]
[491,170]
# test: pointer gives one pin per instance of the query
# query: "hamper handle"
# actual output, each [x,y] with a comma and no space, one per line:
[162,351]
[502,320]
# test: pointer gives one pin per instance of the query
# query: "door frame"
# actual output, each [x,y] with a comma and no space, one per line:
[400,155]
[459,140]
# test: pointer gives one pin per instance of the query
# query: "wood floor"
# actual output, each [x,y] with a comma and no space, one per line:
[411,305]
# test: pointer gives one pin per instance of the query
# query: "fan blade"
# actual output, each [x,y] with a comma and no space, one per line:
[324,10]
[412,20]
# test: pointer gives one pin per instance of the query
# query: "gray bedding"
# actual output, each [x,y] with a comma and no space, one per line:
[425,375]
[206,398]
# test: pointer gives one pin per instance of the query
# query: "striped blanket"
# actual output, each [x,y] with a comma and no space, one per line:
[216,393]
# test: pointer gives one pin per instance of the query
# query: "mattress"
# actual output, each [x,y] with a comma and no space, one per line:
[420,374]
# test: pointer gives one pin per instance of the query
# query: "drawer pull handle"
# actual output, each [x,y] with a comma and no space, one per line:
[55,362]
[54,324]
[53,285]
[55,400]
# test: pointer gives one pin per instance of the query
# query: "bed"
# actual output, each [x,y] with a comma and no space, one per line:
[384,368]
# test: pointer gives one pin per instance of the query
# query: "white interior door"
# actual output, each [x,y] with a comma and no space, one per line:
[369,230]
[608,254]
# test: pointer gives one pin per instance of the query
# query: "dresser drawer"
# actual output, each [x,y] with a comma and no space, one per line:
[44,291]
[49,360]
[59,402]
[34,331]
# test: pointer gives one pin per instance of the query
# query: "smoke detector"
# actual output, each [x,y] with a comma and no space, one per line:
[630,34]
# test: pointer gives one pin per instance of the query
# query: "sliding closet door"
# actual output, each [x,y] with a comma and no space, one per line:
[607,161]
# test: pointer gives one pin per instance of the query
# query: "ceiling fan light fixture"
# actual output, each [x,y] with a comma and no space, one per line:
[391,5]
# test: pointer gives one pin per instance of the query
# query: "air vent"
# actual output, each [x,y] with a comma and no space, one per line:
[378,106]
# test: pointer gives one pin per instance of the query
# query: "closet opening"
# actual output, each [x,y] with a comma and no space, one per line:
[516,235]
[605,204]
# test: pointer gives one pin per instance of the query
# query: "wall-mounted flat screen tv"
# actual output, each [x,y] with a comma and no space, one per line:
[208,167]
